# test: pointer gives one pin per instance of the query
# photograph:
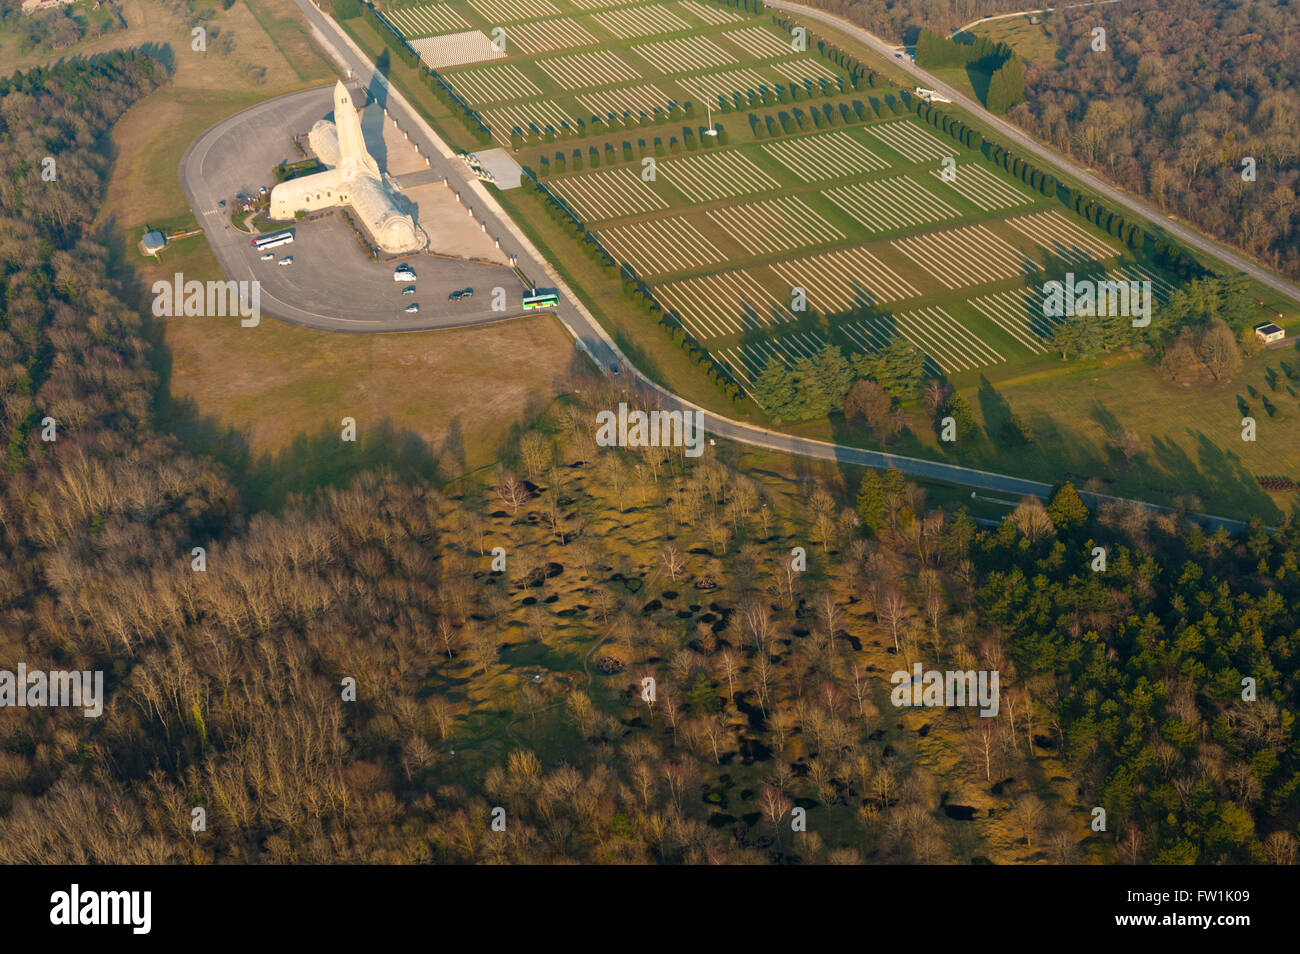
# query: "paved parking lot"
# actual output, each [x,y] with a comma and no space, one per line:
[332,284]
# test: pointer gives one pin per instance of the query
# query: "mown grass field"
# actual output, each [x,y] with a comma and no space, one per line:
[1032,41]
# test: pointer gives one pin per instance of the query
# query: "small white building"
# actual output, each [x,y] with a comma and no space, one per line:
[1269,332]
[930,96]
[36,6]
[153,242]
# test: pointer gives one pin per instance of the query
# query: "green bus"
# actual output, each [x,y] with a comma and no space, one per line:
[541,298]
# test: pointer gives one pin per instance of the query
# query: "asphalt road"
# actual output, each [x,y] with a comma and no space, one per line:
[592,338]
[1173,227]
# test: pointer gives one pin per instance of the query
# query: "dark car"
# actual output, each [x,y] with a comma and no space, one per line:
[461,294]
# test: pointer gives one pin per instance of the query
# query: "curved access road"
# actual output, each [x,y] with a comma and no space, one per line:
[593,340]
[1015,134]
[1022,13]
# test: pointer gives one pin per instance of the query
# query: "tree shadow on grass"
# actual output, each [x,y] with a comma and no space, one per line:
[310,462]
[994,408]
[1214,480]
[979,81]
[1228,480]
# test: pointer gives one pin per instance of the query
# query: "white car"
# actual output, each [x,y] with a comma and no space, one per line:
[404,273]
[287,260]
[268,256]
[412,308]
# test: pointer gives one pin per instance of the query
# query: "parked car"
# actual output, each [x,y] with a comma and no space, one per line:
[461,294]
[408,290]
[267,256]
[287,260]
[412,308]
[404,273]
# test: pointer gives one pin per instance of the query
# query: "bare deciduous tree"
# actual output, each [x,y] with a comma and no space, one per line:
[512,493]
[674,561]
[535,451]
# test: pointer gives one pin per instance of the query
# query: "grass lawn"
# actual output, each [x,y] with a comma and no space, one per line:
[270,400]
[1032,41]
[1191,435]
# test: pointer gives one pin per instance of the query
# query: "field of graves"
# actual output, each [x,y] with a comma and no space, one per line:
[819,213]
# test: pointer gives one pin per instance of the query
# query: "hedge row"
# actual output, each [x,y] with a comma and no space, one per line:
[954,127]
[575,161]
[395,41]
[462,110]
[644,299]
[559,211]
[699,355]
[753,6]
[1276,483]
[858,73]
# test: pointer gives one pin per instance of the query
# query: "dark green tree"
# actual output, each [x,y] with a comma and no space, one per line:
[871,501]
[1006,86]
[899,369]
[1067,509]
[774,390]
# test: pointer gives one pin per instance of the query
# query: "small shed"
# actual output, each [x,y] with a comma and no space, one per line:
[1269,332]
[153,242]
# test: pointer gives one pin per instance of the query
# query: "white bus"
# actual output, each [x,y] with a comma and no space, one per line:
[271,241]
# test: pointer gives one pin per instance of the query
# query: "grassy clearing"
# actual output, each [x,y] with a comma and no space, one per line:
[1032,41]
[269,401]
[1191,435]
[421,401]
